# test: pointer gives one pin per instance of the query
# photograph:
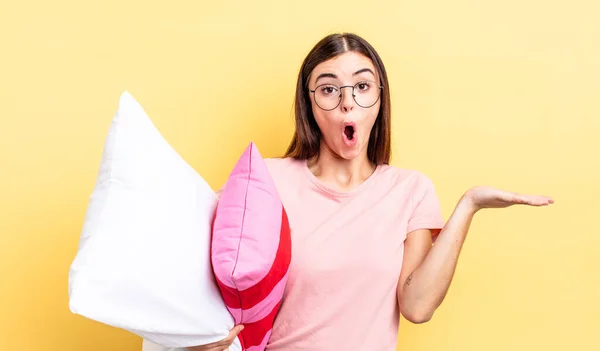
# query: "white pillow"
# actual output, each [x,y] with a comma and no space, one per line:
[143,262]
[148,346]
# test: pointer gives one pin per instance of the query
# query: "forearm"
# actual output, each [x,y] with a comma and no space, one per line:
[425,288]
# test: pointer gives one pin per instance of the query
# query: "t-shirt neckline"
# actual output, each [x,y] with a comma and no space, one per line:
[319,184]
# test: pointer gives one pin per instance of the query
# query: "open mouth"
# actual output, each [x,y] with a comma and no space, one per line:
[349,132]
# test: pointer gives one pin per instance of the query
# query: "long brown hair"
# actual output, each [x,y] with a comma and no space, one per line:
[307,138]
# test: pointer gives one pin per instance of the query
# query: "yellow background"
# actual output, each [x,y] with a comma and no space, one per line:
[498,93]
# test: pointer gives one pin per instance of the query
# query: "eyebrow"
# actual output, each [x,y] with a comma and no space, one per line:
[331,75]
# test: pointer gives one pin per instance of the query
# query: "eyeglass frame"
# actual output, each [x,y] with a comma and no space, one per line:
[380,87]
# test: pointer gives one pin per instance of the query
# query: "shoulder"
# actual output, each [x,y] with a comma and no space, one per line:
[280,161]
[280,169]
[287,175]
[279,165]
[406,177]
[410,183]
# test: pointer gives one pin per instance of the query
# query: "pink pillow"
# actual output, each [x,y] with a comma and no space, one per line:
[251,248]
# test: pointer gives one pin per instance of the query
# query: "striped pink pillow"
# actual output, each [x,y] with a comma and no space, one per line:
[251,248]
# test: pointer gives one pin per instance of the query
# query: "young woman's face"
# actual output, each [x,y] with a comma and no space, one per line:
[345,122]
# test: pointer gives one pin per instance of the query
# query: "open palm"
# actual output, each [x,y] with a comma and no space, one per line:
[489,197]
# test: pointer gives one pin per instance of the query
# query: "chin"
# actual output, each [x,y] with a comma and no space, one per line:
[349,154]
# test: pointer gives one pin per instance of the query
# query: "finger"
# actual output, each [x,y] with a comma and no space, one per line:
[234,333]
[530,200]
[515,198]
[538,200]
[225,343]
[543,200]
[237,329]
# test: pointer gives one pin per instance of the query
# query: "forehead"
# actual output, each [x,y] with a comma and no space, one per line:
[344,66]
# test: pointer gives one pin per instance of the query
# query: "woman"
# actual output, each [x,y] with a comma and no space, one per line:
[362,230]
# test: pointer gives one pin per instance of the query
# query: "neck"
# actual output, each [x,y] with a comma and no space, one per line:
[341,174]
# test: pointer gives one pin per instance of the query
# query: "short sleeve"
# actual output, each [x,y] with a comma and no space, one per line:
[426,213]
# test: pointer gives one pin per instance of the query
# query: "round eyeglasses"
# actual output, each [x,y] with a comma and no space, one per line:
[329,96]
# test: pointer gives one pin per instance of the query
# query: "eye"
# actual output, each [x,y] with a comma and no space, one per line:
[328,89]
[364,86]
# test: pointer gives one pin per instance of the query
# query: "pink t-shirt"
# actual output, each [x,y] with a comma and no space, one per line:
[347,251]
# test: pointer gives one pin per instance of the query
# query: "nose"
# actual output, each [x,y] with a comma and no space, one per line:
[347,99]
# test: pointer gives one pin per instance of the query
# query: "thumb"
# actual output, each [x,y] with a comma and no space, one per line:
[237,329]
[233,333]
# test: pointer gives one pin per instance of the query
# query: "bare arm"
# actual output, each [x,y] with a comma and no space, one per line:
[428,270]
